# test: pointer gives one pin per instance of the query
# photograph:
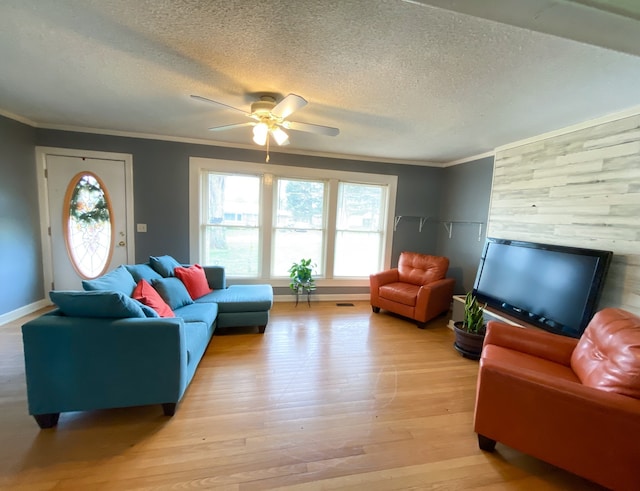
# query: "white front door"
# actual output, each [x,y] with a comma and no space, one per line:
[77,250]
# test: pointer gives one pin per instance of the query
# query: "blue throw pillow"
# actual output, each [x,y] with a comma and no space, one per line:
[118,280]
[106,304]
[148,311]
[142,272]
[172,291]
[164,265]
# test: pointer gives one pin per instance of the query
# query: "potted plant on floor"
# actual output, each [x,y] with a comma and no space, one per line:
[470,331]
[302,281]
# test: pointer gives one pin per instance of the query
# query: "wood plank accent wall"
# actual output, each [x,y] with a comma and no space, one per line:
[581,188]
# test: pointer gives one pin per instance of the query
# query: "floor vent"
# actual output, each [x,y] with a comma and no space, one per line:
[344,304]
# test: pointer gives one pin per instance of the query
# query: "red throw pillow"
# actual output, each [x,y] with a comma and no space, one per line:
[146,294]
[194,279]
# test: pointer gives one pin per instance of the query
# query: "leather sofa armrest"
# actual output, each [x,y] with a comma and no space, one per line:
[439,293]
[590,399]
[552,347]
[384,277]
[379,279]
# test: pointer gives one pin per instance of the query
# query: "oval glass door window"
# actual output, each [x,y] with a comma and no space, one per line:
[88,224]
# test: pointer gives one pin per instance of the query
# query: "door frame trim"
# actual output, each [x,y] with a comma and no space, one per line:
[43,201]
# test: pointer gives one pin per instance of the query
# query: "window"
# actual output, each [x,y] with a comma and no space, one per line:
[88,224]
[257,219]
[359,229]
[230,229]
[299,227]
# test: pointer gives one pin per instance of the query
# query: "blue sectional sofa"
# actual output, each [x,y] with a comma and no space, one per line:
[101,349]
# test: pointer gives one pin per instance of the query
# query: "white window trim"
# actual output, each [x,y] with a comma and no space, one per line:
[198,165]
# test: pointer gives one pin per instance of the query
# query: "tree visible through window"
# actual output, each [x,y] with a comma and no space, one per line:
[231,228]
[257,220]
[359,229]
[299,227]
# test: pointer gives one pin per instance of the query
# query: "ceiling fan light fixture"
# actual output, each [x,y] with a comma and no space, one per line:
[280,136]
[260,133]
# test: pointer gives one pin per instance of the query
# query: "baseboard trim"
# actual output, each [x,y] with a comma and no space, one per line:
[322,298]
[22,311]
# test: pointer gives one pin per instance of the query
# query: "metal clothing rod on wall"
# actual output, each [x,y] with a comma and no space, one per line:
[449,227]
[397,219]
[448,224]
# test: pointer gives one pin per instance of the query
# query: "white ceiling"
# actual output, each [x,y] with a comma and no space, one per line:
[404,80]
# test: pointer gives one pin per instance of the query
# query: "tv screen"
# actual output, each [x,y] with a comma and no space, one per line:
[553,287]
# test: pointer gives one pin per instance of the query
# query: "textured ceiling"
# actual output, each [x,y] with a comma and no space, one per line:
[403,80]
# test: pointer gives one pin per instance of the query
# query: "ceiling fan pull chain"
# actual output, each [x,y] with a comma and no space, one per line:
[268,138]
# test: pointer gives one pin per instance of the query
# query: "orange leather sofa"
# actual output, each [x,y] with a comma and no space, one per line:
[572,403]
[417,288]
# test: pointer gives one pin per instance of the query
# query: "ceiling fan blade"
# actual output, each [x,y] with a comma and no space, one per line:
[288,105]
[231,126]
[211,101]
[311,128]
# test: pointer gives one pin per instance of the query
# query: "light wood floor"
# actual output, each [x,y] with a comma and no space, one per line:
[328,398]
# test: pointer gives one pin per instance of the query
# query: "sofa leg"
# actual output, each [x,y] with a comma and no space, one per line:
[261,329]
[421,325]
[376,310]
[47,420]
[486,444]
[169,408]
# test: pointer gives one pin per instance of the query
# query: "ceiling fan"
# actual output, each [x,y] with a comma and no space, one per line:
[270,119]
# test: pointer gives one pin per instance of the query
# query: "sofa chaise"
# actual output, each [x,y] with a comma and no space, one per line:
[104,348]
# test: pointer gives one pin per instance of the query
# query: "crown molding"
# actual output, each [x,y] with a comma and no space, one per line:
[470,159]
[19,119]
[627,113]
[214,143]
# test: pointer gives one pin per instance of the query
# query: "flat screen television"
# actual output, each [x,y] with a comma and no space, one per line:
[553,287]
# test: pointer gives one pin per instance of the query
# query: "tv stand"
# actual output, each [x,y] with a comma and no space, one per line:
[490,314]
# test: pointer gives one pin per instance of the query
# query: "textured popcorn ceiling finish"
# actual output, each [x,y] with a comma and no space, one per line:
[403,80]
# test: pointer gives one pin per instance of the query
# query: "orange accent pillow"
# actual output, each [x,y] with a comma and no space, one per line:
[146,294]
[194,279]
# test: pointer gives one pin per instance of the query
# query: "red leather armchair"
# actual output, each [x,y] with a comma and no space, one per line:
[417,288]
[572,403]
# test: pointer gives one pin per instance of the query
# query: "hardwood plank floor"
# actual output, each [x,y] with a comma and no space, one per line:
[328,398]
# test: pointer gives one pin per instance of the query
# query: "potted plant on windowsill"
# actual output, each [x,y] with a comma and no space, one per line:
[302,281]
[470,331]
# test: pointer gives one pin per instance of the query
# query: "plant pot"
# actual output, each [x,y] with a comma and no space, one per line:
[468,344]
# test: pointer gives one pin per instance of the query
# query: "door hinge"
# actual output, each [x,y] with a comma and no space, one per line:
[53,286]
[49,231]
[46,174]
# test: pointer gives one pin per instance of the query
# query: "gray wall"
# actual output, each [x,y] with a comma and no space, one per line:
[161,200]
[161,183]
[465,199]
[20,245]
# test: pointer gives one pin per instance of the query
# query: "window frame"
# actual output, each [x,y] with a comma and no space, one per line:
[200,165]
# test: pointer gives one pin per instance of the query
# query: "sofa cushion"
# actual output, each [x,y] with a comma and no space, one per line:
[198,312]
[118,280]
[194,280]
[241,298]
[172,291]
[421,269]
[142,272]
[164,265]
[148,311]
[607,356]
[404,293]
[106,304]
[148,295]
